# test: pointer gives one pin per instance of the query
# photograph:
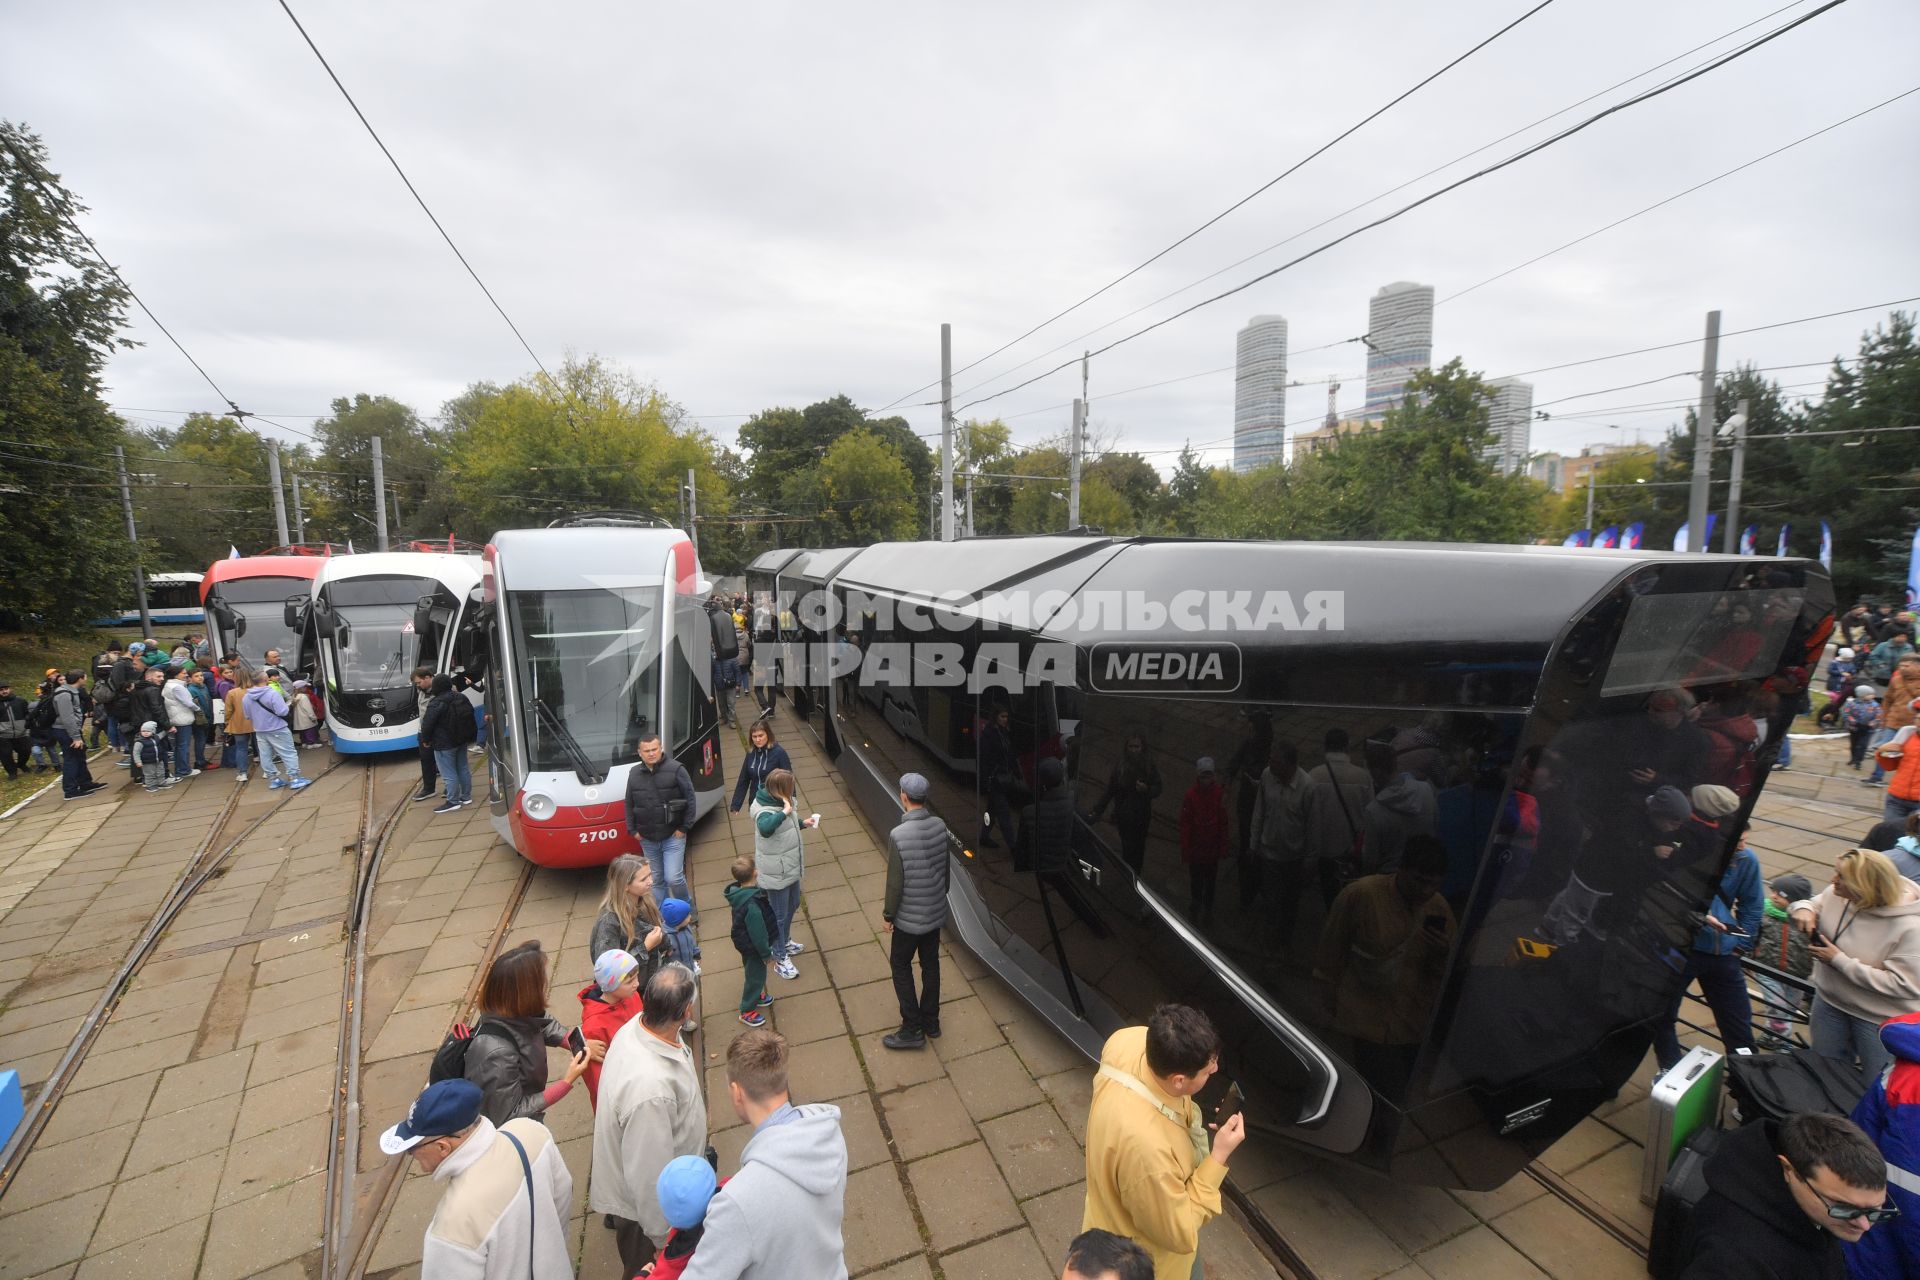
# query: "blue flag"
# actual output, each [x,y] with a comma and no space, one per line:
[1706,543]
[1630,536]
[1609,538]
[1680,537]
[1913,572]
[1786,531]
[1750,540]
[1580,538]
[1826,545]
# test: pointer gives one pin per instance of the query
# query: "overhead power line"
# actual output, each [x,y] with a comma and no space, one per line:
[414,191]
[1325,147]
[1455,185]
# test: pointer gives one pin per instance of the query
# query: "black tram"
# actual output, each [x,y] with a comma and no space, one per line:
[1500,718]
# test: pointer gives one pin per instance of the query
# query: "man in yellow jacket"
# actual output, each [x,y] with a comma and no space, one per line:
[1152,1173]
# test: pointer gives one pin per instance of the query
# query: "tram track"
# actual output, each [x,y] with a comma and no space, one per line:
[349,1238]
[208,860]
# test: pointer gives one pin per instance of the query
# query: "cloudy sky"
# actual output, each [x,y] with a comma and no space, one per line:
[762,204]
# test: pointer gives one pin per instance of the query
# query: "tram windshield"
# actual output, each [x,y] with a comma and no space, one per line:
[382,647]
[261,601]
[589,674]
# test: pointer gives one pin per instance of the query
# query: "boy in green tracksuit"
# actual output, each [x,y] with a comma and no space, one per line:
[1783,947]
[753,932]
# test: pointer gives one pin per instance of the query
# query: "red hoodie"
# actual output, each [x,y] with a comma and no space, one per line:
[598,1021]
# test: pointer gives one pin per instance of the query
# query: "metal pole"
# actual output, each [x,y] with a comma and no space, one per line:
[299,512]
[1703,438]
[379,496]
[1073,467]
[1732,543]
[133,536]
[946,433]
[397,521]
[693,512]
[279,498]
[1590,473]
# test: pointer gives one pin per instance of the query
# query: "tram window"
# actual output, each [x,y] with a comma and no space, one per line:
[693,711]
[1701,637]
[1289,860]
[590,673]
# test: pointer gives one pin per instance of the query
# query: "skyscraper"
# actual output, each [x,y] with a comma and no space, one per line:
[1510,415]
[1400,338]
[1260,393]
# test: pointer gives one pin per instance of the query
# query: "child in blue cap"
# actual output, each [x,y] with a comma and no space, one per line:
[685,1188]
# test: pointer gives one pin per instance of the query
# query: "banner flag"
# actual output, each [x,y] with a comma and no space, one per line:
[1580,538]
[1680,536]
[1913,573]
[1609,538]
[1826,545]
[1706,543]
[1750,540]
[1786,532]
[1630,536]
[233,552]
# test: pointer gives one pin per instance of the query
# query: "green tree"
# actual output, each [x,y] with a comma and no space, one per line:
[779,443]
[63,555]
[411,454]
[206,489]
[860,491]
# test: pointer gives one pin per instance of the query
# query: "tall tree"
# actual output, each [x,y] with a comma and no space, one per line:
[63,555]
[861,491]
[206,490]
[411,455]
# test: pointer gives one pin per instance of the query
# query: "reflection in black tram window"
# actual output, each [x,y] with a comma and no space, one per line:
[1335,796]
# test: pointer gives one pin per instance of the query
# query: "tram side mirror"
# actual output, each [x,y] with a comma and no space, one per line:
[294,612]
[343,636]
[238,624]
[423,615]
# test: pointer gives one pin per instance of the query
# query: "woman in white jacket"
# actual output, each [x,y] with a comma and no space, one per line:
[1865,931]
[181,709]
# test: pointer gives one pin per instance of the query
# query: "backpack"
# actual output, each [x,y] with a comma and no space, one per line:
[1773,1086]
[463,729]
[450,1059]
[742,935]
[41,718]
[1861,715]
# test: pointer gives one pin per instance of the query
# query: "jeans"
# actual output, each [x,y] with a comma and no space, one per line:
[429,769]
[1895,809]
[1724,984]
[1843,1037]
[115,738]
[453,767]
[785,902]
[1785,759]
[239,751]
[182,750]
[277,749]
[16,754]
[202,734]
[668,858]
[922,1012]
[74,778]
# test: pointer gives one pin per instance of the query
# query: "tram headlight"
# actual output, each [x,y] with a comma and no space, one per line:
[537,806]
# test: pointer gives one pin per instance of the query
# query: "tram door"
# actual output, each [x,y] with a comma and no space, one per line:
[692,719]
[503,769]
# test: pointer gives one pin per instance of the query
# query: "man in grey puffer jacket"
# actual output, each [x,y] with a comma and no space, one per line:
[915,911]
[780,1216]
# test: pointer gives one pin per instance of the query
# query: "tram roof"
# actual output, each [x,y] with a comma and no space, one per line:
[582,556]
[264,567]
[461,572]
[1390,592]
[774,561]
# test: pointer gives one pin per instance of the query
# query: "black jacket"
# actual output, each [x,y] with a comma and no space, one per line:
[1748,1225]
[511,1069]
[437,727]
[148,703]
[649,791]
[726,639]
[13,717]
[754,768]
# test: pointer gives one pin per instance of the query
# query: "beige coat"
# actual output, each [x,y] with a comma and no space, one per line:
[1876,976]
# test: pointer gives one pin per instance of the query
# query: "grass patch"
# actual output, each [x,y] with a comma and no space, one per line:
[24,659]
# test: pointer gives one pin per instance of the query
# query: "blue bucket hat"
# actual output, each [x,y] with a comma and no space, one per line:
[684,1188]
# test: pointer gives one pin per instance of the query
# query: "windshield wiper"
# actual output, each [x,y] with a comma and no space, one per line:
[582,767]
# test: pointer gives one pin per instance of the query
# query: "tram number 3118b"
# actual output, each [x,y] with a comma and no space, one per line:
[604,833]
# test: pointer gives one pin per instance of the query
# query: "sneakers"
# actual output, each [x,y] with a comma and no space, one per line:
[795,948]
[300,784]
[784,968]
[451,806]
[904,1038]
[276,784]
[428,794]
[241,776]
[753,1018]
[933,1031]
[191,773]
[766,1000]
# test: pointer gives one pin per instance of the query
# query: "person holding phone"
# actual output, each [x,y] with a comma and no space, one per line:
[1865,941]
[1727,933]
[507,1056]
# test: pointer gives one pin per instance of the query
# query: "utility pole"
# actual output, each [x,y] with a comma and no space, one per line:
[1590,474]
[397,521]
[1703,438]
[299,512]
[379,498]
[133,536]
[693,512]
[1739,424]
[933,514]
[279,498]
[946,433]
[1073,467]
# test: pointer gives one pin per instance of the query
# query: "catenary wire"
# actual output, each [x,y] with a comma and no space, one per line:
[1252,195]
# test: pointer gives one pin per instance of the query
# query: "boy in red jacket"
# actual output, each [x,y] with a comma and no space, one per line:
[607,1005]
[685,1188]
[1203,836]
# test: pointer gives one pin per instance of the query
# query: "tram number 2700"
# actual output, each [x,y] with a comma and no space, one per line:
[604,833]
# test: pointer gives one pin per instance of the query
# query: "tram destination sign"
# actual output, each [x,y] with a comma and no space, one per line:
[1198,667]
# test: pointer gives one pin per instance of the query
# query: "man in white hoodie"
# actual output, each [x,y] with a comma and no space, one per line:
[503,1215]
[780,1216]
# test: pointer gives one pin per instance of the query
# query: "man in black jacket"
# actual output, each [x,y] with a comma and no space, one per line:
[1782,1197]
[660,806]
[149,703]
[16,740]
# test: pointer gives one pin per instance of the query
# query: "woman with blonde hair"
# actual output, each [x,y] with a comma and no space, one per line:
[629,917]
[1865,933]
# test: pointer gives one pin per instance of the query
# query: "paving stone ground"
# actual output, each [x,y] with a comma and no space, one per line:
[194,1140]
